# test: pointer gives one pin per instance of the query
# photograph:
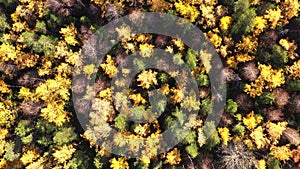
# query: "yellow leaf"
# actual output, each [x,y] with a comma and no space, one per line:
[54,112]
[89,70]
[225,135]
[173,157]
[64,153]
[259,24]
[225,21]
[29,157]
[146,50]
[251,120]
[121,163]
[109,67]
[4,87]
[69,33]
[259,138]
[187,10]
[273,16]
[275,130]
[137,99]
[147,78]
[25,93]
[261,164]
[282,153]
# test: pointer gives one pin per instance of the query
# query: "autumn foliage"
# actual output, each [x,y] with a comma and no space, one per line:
[41,47]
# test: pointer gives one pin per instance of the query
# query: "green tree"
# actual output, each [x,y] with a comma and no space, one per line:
[169,122]
[273,163]
[192,150]
[79,161]
[274,55]
[163,78]
[239,129]
[191,59]
[30,38]
[190,138]
[121,122]
[292,85]
[177,59]
[242,18]
[206,106]
[179,115]
[45,127]
[41,27]
[265,98]
[211,134]
[10,153]
[3,23]
[24,131]
[23,128]
[231,106]
[202,80]
[279,57]
[45,44]
[64,136]
[140,165]
[8,3]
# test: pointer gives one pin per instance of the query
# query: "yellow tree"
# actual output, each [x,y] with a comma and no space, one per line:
[290,9]
[173,157]
[187,10]
[268,79]
[121,163]
[63,153]
[147,78]
[274,16]
[282,153]
[225,22]
[294,70]
[69,33]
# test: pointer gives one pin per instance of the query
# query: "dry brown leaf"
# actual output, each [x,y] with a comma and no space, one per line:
[292,136]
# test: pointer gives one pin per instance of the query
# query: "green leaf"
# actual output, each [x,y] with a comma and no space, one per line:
[242,18]
[64,136]
[41,27]
[211,134]
[121,122]
[30,38]
[27,139]
[265,98]
[23,128]
[191,59]
[202,80]
[239,129]
[190,138]
[3,24]
[79,161]
[179,115]
[137,113]
[177,59]
[192,150]
[273,163]
[231,106]
[206,106]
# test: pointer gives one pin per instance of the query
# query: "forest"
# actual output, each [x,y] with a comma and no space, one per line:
[153,100]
